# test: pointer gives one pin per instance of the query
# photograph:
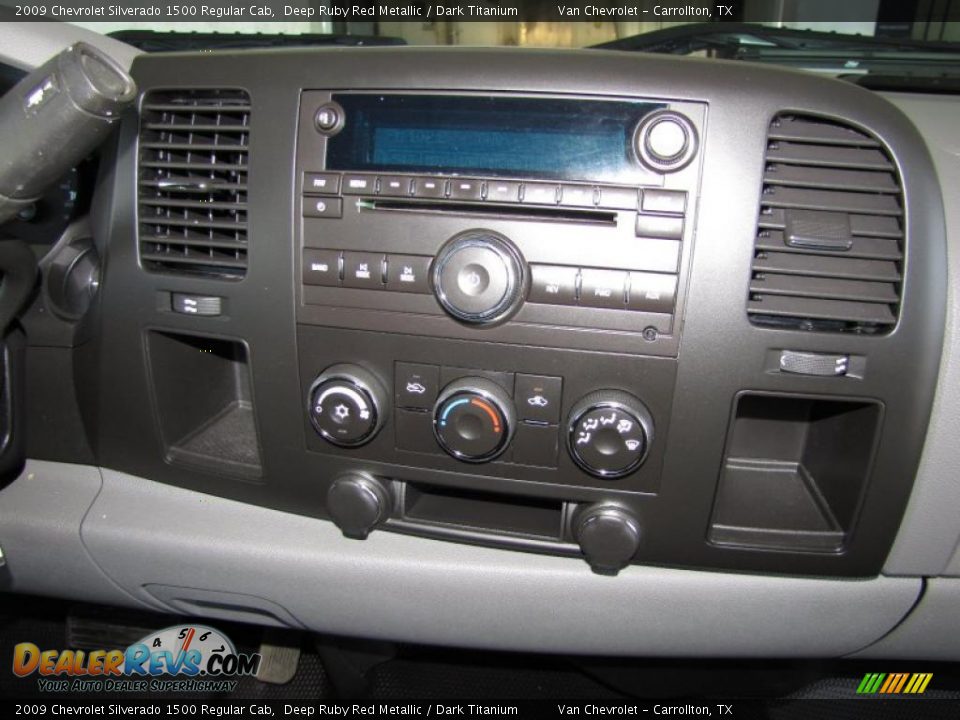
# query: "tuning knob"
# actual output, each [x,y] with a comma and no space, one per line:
[478,277]
[665,140]
[357,503]
[609,537]
[345,404]
[609,433]
[473,419]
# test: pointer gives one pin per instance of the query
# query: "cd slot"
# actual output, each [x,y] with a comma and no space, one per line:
[557,214]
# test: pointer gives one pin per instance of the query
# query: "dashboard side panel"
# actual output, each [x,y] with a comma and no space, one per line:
[931,632]
[40,535]
[931,525]
[419,590]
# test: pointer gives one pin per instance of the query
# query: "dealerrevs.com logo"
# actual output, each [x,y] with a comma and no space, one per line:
[180,658]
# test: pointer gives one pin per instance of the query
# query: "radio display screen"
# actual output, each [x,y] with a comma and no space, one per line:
[549,138]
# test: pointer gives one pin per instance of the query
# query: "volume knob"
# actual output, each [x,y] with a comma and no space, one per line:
[478,277]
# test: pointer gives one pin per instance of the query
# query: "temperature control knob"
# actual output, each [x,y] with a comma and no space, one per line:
[474,419]
[478,277]
[346,405]
[609,433]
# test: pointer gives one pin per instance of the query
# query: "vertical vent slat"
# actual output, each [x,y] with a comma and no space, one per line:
[192,182]
[830,238]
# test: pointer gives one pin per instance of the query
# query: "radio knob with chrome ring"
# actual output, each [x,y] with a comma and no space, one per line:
[479,277]
[474,419]
[345,405]
[665,140]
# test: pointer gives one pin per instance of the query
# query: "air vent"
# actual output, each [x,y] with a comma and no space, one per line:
[193,182]
[830,240]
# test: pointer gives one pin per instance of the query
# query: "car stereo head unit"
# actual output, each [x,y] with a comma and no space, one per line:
[523,215]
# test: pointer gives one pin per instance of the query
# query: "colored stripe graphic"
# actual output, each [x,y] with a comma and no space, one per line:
[894,683]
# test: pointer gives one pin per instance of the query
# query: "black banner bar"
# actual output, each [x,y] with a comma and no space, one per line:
[268,11]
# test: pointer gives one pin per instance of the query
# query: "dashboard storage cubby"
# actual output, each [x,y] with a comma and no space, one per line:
[794,472]
[203,402]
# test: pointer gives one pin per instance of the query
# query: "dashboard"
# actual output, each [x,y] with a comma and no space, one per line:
[394,342]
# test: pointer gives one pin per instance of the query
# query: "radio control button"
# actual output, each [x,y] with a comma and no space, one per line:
[322,207]
[660,226]
[395,186]
[329,118]
[321,183]
[540,194]
[408,273]
[665,201]
[359,184]
[619,198]
[578,195]
[603,288]
[429,187]
[416,385]
[553,284]
[363,270]
[538,398]
[652,292]
[321,267]
[503,191]
[461,189]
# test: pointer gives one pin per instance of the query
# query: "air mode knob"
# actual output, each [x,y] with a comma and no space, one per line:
[346,404]
[609,433]
[357,503]
[665,140]
[609,537]
[474,419]
[479,277]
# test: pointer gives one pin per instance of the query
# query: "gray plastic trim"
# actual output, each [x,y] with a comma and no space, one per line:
[930,528]
[40,517]
[30,44]
[932,632]
[418,590]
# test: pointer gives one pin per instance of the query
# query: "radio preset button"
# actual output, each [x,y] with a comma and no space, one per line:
[578,195]
[619,198]
[660,226]
[321,183]
[395,186]
[363,270]
[321,267]
[540,194]
[503,191]
[408,273]
[652,292]
[553,284]
[429,187]
[538,398]
[322,207]
[603,288]
[461,189]
[359,184]
[665,201]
